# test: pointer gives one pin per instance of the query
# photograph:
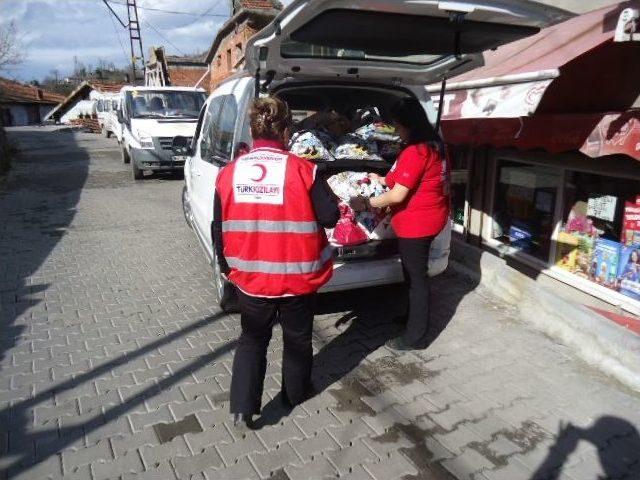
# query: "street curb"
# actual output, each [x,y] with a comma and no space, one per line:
[601,343]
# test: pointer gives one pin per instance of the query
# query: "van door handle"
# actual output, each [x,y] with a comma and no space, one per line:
[197,173]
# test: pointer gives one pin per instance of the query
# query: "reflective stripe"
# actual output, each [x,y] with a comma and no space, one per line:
[269,226]
[284,268]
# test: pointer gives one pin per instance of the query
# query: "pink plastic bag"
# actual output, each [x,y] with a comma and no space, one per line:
[347,232]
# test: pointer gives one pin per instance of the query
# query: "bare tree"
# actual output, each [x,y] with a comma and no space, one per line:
[11,48]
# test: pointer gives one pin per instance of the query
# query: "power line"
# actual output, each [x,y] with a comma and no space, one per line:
[115,30]
[175,12]
[203,14]
[163,37]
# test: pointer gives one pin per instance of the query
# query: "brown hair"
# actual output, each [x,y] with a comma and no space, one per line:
[269,118]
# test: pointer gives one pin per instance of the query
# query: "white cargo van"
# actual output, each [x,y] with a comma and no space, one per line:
[343,55]
[107,107]
[151,117]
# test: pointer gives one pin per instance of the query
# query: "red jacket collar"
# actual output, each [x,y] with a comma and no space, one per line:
[261,143]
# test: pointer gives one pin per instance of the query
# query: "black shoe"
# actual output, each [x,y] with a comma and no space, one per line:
[398,344]
[242,422]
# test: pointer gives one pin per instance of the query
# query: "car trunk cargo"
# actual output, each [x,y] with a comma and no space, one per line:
[305,100]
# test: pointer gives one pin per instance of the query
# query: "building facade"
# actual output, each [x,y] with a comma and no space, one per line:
[164,70]
[25,104]
[226,55]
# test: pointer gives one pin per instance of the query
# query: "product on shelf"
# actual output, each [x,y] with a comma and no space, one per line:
[606,257]
[631,223]
[629,271]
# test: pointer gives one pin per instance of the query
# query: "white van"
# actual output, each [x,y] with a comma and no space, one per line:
[151,117]
[343,55]
[107,107]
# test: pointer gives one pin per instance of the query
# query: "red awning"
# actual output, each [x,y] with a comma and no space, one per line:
[570,87]
[595,135]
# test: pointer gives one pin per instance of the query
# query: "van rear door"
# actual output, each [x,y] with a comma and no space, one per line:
[405,41]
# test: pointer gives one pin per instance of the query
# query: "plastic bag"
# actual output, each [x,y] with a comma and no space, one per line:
[312,145]
[347,232]
[352,147]
[378,131]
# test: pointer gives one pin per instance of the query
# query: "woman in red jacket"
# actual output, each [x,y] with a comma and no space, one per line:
[419,201]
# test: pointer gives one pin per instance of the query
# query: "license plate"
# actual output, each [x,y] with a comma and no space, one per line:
[179,158]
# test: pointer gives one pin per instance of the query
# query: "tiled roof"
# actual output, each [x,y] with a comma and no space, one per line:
[17,92]
[107,87]
[258,4]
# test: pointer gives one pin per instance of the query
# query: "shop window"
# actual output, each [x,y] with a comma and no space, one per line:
[524,206]
[600,231]
[459,180]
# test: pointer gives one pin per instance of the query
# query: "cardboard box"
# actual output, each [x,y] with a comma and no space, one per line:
[631,224]
[584,255]
[629,271]
[606,257]
[567,251]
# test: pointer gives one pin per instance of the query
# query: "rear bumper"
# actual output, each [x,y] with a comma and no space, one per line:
[348,275]
[364,273]
[154,160]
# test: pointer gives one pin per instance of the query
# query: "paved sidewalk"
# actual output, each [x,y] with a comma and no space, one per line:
[109,331]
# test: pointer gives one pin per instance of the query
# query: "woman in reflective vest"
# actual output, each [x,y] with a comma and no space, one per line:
[270,212]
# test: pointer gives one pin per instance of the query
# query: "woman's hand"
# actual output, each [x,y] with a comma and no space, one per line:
[358,204]
[374,177]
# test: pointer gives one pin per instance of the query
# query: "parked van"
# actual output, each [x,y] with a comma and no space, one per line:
[343,56]
[151,117]
[107,107]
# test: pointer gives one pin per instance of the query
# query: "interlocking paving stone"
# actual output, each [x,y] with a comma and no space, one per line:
[108,314]
[192,464]
[269,462]
[350,456]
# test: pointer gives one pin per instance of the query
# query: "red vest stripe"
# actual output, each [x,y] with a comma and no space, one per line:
[272,241]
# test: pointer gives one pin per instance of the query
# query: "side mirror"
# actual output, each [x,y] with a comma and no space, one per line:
[181,146]
[120,116]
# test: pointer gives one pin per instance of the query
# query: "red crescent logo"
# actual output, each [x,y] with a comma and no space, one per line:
[263,172]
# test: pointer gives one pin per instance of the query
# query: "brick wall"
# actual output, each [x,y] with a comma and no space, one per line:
[228,54]
[187,76]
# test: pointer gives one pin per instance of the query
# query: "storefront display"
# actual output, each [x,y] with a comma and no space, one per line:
[459,182]
[523,207]
[629,271]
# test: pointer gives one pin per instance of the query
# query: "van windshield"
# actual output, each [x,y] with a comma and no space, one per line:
[164,103]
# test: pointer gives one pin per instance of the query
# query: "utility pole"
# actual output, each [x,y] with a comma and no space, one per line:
[137,61]
[135,38]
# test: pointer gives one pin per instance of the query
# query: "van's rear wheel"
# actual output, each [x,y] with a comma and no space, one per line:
[225,292]
[105,133]
[138,173]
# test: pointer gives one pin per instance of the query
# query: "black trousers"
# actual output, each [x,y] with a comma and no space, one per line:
[414,253]
[258,316]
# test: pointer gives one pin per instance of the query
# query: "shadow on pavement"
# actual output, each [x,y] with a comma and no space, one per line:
[617,442]
[52,441]
[368,314]
[38,204]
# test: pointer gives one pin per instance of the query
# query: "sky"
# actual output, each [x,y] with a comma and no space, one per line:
[53,31]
